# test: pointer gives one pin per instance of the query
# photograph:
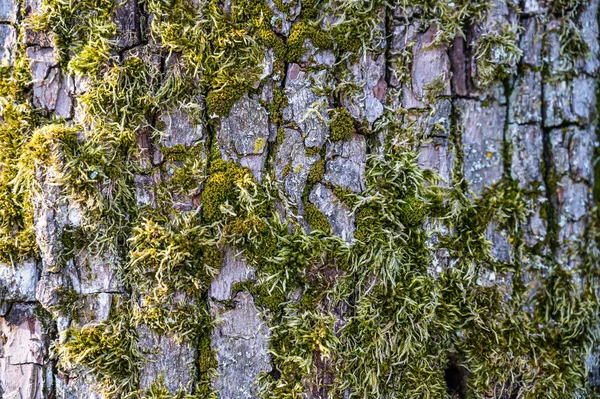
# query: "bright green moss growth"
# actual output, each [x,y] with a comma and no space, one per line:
[221,189]
[82,32]
[342,125]
[316,219]
[412,213]
[219,102]
[109,349]
[300,32]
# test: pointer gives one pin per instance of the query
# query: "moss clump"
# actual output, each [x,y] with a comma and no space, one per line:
[412,212]
[316,219]
[316,172]
[342,125]
[220,101]
[345,195]
[81,32]
[108,349]
[276,107]
[172,263]
[497,55]
[299,33]
[221,189]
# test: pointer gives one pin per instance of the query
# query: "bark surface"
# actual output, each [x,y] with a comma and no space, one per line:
[296,198]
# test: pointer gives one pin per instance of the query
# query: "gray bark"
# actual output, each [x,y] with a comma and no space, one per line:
[537,126]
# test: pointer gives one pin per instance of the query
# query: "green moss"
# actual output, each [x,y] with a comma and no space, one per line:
[221,189]
[412,212]
[497,55]
[276,107]
[316,172]
[345,195]
[108,349]
[287,169]
[451,19]
[342,125]
[299,33]
[220,101]
[82,32]
[316,219]
[310,9]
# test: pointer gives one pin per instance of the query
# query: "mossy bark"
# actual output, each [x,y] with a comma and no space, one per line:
[284,199]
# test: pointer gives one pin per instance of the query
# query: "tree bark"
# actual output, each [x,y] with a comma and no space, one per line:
[287,199]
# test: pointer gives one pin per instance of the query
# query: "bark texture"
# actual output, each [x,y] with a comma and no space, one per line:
[299,198]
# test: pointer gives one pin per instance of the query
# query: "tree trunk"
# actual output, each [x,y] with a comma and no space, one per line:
[299,198]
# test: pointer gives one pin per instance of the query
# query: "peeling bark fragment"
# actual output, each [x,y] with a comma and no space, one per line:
[458,60]
[179,129]
[482,141]
[18,282]
[429,64]
[240,337]
[569,101]
[292,152]
[8,37]
[24,369]
[338,214]
[240,340]
[368,74]
[90,273]
[51,88]
[439,156]
[244,134]
[430,72]
[526,99]
[345,163]
[234,270]
[305,108]
[531,42]
[572,151]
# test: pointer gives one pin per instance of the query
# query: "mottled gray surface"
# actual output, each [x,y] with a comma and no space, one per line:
[240,339]
[7,38]
[167,356]
[338,214]
[482,138]
[244,135]
[292,152]
[345,163]
[305,108]
[542,118]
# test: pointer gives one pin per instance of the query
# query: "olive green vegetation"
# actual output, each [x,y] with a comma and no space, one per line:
[109,348]
[17,238]
[382,316]
[342,125]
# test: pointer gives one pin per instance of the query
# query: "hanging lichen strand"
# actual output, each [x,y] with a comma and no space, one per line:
[402,280]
